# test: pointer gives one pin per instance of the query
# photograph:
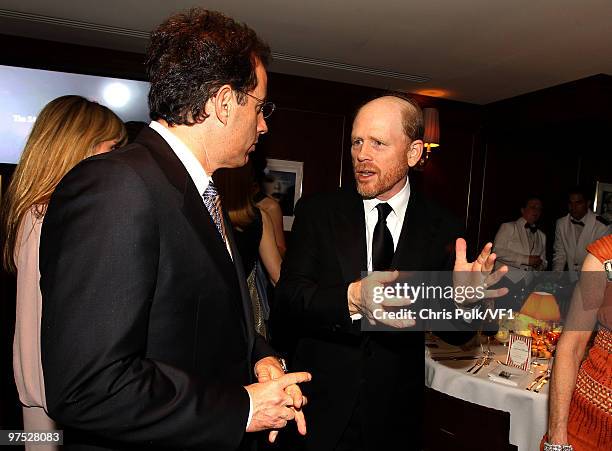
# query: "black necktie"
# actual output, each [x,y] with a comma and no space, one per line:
[382,241]
[580,223]
[532,227]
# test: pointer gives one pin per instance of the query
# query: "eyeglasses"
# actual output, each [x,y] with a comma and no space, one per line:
[263,107]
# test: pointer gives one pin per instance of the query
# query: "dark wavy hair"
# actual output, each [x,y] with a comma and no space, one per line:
[582,190]
[191,55]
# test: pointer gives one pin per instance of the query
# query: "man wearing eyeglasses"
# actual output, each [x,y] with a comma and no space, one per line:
[148,332]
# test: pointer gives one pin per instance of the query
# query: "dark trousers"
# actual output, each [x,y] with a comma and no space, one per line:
[352,438]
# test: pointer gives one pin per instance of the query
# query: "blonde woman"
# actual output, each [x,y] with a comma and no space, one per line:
[67,130]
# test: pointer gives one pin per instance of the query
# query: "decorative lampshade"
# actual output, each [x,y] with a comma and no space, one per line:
[431,120]
[542,306]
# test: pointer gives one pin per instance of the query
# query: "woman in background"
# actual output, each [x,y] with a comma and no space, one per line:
[580,417]
[267,203]
[254,233]
[67,130]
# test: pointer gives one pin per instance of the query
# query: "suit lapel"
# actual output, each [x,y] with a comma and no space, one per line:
[193,207]
[349,236]
[522,232]
[570,240]
[414,237]
[247,308]
[586,236]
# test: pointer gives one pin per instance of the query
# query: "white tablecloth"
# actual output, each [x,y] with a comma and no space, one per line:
[528,410]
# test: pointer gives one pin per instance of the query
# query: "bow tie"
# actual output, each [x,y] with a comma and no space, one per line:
[580,223]
[532,227]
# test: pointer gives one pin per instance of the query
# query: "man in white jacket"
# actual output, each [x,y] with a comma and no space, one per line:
[521,245]
[575,231]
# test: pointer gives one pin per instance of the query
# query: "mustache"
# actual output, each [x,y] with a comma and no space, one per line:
[365,167]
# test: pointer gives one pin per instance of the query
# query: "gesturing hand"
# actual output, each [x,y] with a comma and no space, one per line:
[272,405]
[478,274]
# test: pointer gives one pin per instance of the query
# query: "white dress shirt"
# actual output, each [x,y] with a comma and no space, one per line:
[195,170]
[395,220]
[191,163]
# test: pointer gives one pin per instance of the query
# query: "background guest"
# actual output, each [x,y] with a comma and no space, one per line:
[267,203]
[521,245]
[575,231]
[254,233]
[67,130]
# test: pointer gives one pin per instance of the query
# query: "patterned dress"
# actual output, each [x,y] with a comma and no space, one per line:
[590,417]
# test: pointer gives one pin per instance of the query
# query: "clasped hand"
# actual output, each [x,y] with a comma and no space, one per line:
[276,398]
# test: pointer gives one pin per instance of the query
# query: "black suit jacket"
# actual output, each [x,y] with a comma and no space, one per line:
[327,253]
[147,331]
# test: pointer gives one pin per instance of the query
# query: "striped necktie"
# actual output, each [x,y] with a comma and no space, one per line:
[212,200]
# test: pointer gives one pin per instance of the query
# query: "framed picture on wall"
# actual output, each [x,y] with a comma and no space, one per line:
[603,200]
[283,182]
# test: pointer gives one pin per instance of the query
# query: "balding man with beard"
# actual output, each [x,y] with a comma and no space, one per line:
[367,387]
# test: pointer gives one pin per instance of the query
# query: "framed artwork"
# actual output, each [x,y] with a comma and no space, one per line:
[603,200]
[283,182]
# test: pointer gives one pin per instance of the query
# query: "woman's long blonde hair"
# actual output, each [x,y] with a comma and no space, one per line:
[67,130]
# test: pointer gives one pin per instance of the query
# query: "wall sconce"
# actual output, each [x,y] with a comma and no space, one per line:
[431,137]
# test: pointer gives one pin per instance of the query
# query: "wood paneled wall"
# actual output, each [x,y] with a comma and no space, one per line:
[546,142]
[489,158]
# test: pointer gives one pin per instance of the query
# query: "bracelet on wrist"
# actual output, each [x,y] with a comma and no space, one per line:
[283,364]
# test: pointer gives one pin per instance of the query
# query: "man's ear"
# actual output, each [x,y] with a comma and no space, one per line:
[222,103]
[415,150]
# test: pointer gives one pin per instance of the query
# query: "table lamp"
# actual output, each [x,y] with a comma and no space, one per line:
[541,306]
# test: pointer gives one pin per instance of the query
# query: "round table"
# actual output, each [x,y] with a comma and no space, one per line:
[528,410]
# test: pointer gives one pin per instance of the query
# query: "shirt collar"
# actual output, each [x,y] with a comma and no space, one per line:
[399,202]
[197,173]
[583,219]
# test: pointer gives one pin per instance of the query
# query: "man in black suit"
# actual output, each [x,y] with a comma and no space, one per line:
[367,387]
[147,328]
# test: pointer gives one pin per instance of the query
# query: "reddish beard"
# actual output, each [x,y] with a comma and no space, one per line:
[380,182]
